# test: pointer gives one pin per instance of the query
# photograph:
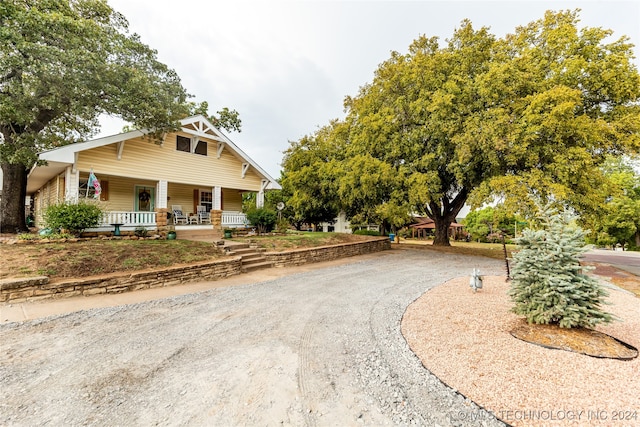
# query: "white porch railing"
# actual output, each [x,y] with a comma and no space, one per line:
[132,219]
[148,219]
[234,219]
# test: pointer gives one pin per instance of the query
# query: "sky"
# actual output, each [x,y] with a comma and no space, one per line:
[286,66]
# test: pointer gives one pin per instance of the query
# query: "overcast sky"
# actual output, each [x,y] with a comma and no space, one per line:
[286,66]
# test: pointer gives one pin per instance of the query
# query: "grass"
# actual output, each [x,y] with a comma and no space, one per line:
[96,257]
[298,240]
[491,250]
[89,258]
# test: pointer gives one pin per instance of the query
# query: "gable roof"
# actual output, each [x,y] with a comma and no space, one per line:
[59,158]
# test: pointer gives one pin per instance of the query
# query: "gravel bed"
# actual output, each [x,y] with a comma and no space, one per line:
[323,347]
[468,346]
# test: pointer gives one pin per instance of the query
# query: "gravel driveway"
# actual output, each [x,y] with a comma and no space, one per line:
[317,348]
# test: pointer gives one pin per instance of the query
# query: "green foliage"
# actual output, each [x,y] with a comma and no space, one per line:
[364,232]
[63,64]
[548,283]
[282,225]
[477,116]
[141,232]
[484,222]
[226,119]
[262,218]
[311,167]
[73,217]
[617,222]
[28,236]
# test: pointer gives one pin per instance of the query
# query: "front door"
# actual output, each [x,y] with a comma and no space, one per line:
[144,199]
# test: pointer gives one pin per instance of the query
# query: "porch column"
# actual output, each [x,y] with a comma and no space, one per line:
[71,184]
[260,195]
[161,195]
[216,207]
[217,198]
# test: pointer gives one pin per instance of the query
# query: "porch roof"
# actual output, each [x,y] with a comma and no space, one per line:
[60,158]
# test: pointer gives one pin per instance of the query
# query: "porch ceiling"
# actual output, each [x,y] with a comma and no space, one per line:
[41,174]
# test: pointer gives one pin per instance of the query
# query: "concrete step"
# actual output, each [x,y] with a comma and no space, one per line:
[252,257]
[233,247]
[257,266]
[201,235]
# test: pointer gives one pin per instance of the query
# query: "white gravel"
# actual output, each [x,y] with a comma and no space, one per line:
[465,341]
[318,348]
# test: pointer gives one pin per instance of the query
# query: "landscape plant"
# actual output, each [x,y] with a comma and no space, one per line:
[62,64]
[263,219]
[73,217]
[549,286]
[475,118]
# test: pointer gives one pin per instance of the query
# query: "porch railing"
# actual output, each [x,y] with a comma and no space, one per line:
[234,219]
[132,219]
[148,219]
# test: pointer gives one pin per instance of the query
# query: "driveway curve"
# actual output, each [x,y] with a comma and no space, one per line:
[322,347]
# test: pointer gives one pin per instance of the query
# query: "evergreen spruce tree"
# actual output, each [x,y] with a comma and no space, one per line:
[548,283]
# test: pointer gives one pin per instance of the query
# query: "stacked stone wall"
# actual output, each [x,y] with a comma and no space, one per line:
[37,288]
[19,290]
[327,253]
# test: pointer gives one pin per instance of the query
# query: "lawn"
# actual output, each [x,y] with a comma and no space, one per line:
[95,257]
[299,240]
[491,250]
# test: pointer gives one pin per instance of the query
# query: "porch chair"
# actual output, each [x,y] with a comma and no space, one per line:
[204,216]
[178,216]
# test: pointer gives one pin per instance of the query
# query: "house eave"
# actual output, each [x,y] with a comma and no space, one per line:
[40,175]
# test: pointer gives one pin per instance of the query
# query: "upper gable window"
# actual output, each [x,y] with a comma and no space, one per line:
[201,148]
[183,144]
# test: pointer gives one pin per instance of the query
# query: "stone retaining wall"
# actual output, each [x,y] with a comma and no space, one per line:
[327,253]
[20,290]
[36,288]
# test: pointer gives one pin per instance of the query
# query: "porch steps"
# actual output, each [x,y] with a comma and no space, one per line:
[203,235]
[251,258]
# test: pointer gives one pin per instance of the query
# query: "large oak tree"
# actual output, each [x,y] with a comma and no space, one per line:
[479,116]
[63,63]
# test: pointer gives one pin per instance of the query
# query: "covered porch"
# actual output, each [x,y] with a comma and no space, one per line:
[130,220]
[133,203]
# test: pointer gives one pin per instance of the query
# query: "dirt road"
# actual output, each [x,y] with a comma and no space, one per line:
[322,347]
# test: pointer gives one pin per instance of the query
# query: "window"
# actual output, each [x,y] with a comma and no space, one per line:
[206,199]
[201,148]
[183,144]
[90,193]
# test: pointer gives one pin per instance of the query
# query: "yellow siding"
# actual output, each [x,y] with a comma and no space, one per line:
[182,195]
[231,200]
[142,159]
[121,192]
[49,194]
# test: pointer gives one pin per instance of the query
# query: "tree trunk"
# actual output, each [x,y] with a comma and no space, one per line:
[14,192]
[443,215]
[442,231]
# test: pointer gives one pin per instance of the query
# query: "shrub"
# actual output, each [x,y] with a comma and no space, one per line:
[262,218]
[282,225]
[141,232]
[366,233]
[73,217]
[548,283]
